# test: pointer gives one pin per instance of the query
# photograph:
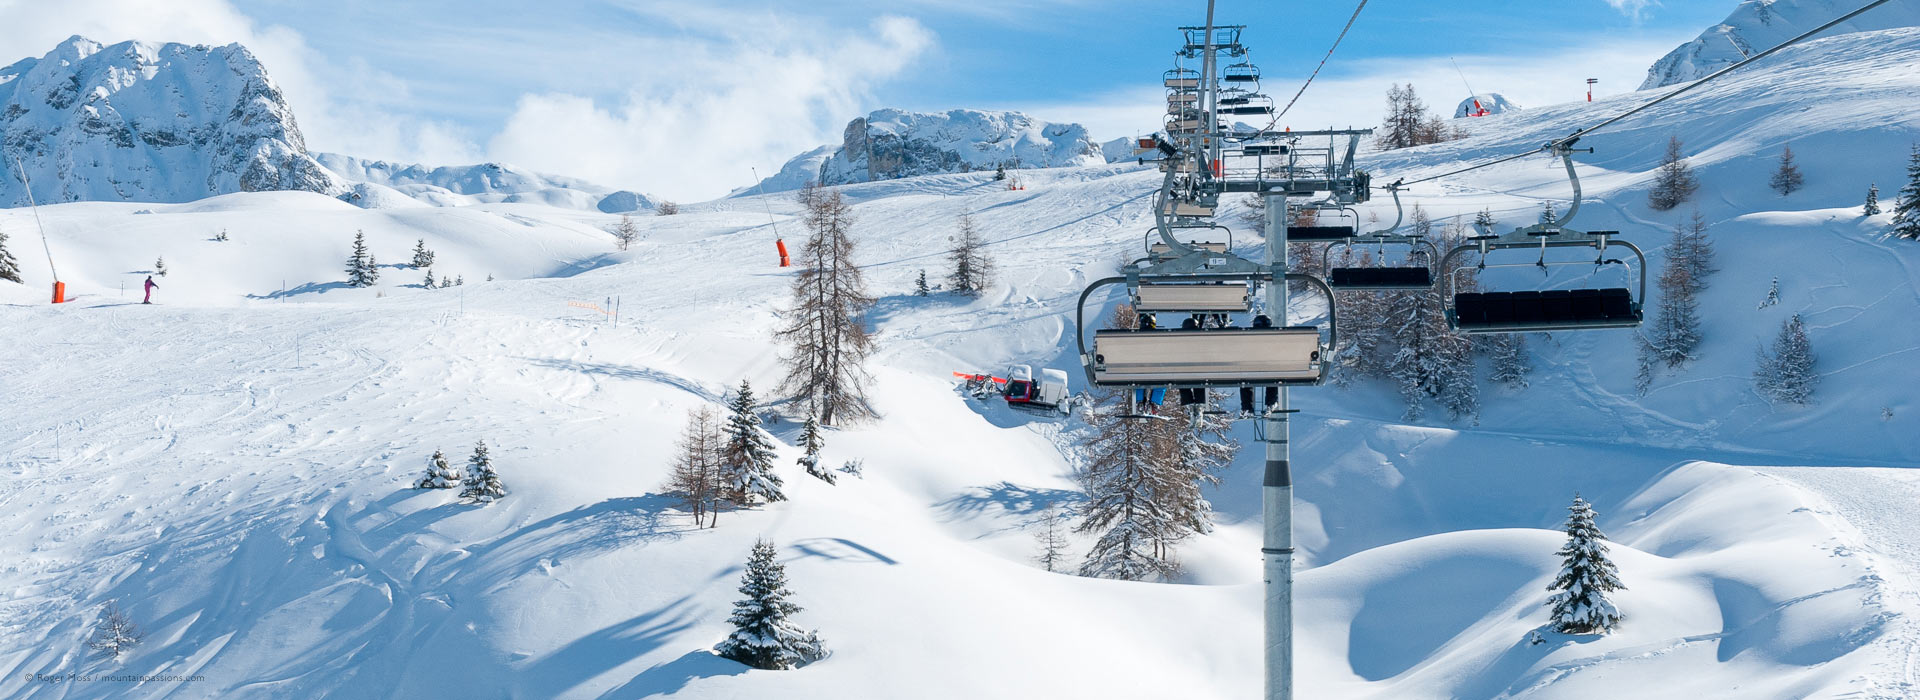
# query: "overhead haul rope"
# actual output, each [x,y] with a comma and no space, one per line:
[1576,136]
[1323,64]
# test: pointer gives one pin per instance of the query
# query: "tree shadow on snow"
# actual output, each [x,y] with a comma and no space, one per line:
[673,676]
[605,649]
[629,372]
[582,532]
[1027,503]
[308,288]
[838,549]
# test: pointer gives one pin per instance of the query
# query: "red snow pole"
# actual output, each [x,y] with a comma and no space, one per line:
[59,292]
[1590,82]
[781,243]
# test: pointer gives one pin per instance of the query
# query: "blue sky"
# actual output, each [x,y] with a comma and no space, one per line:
[681,99]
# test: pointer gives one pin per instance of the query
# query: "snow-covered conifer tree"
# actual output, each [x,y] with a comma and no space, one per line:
[696,476]
[1000,172]
[1906,210]
[1193,455]
[1547,215]
[459,280]
[422,258]
[920,288]
[1773,295]
[1692,244]
[972,269]
[1786,178]
[360,265]
[1510,362]
[160,266]
[825,328]
[428,283]
[9,267]
[764,635]
[1675,183]
[1484,220]
[446,281]
[747,460]
[810,444]
[1872,207]
[440,475]
[116,634]
[1785,373]
[1579,601]
[1674,333]
[481,481]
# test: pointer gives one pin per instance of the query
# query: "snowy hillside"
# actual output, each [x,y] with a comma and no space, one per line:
[149,122]
[1492,102]
[232,464]
[890,144]
[1758,25]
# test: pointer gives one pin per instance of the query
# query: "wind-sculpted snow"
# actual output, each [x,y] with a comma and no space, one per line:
[151,123]
[1758,25]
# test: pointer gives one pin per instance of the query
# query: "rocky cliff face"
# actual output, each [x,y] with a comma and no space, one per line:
[889,144]
[1758,25]
[136,121]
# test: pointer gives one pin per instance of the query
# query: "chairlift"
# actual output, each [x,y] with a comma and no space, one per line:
[1193,298]
[1192,358]
[1240,73]
[1253,103]
[1158,251]
[1181,79]
[1383,277]
[1546,310]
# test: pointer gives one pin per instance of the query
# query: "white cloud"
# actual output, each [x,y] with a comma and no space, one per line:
[1633,8]
[698,113]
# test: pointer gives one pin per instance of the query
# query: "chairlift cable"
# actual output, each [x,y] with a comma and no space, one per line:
[1577,135]
[1323,64]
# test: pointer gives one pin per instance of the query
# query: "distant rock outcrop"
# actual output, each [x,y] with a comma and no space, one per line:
[1491,102]
[136,121]
[890,144]
[1758,25]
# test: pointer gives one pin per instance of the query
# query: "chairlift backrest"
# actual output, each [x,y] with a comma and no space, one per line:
[1545,310]
[1214,357]
[1224,297]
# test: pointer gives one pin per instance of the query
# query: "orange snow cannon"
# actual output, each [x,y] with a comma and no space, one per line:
[59,292]
[781,243]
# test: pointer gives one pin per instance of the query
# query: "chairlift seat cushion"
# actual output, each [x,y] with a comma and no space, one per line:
[1380,278]
[1319,233]
[1546,310]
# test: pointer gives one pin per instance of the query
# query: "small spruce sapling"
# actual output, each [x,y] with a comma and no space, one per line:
[1579,602]
[116,634]
[9,267]
[422,258]
[1786,178]
[1872,207]
[1773,295]
[810,444]
[481,481]
[920,285]
[1484,220]
[160,266]
[764,634]
[748,456]
[853,468]
[1785,373]
[222,236]
[440,475]
[1906,210]
[428,284]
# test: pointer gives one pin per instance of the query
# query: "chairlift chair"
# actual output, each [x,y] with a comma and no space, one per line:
[1181,79]
[1240,73]
[1545,310]
[1205,358]
[1383,277]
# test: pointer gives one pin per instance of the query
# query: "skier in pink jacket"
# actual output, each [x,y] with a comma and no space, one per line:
[150,286]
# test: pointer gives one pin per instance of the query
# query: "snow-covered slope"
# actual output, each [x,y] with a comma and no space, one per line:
[1492,102]
[889,144]
[1758,25]
[230,465]
[149,122]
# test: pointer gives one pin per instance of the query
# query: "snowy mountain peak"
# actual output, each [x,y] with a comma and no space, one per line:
[890,143]
[1758,25]
[137,121]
